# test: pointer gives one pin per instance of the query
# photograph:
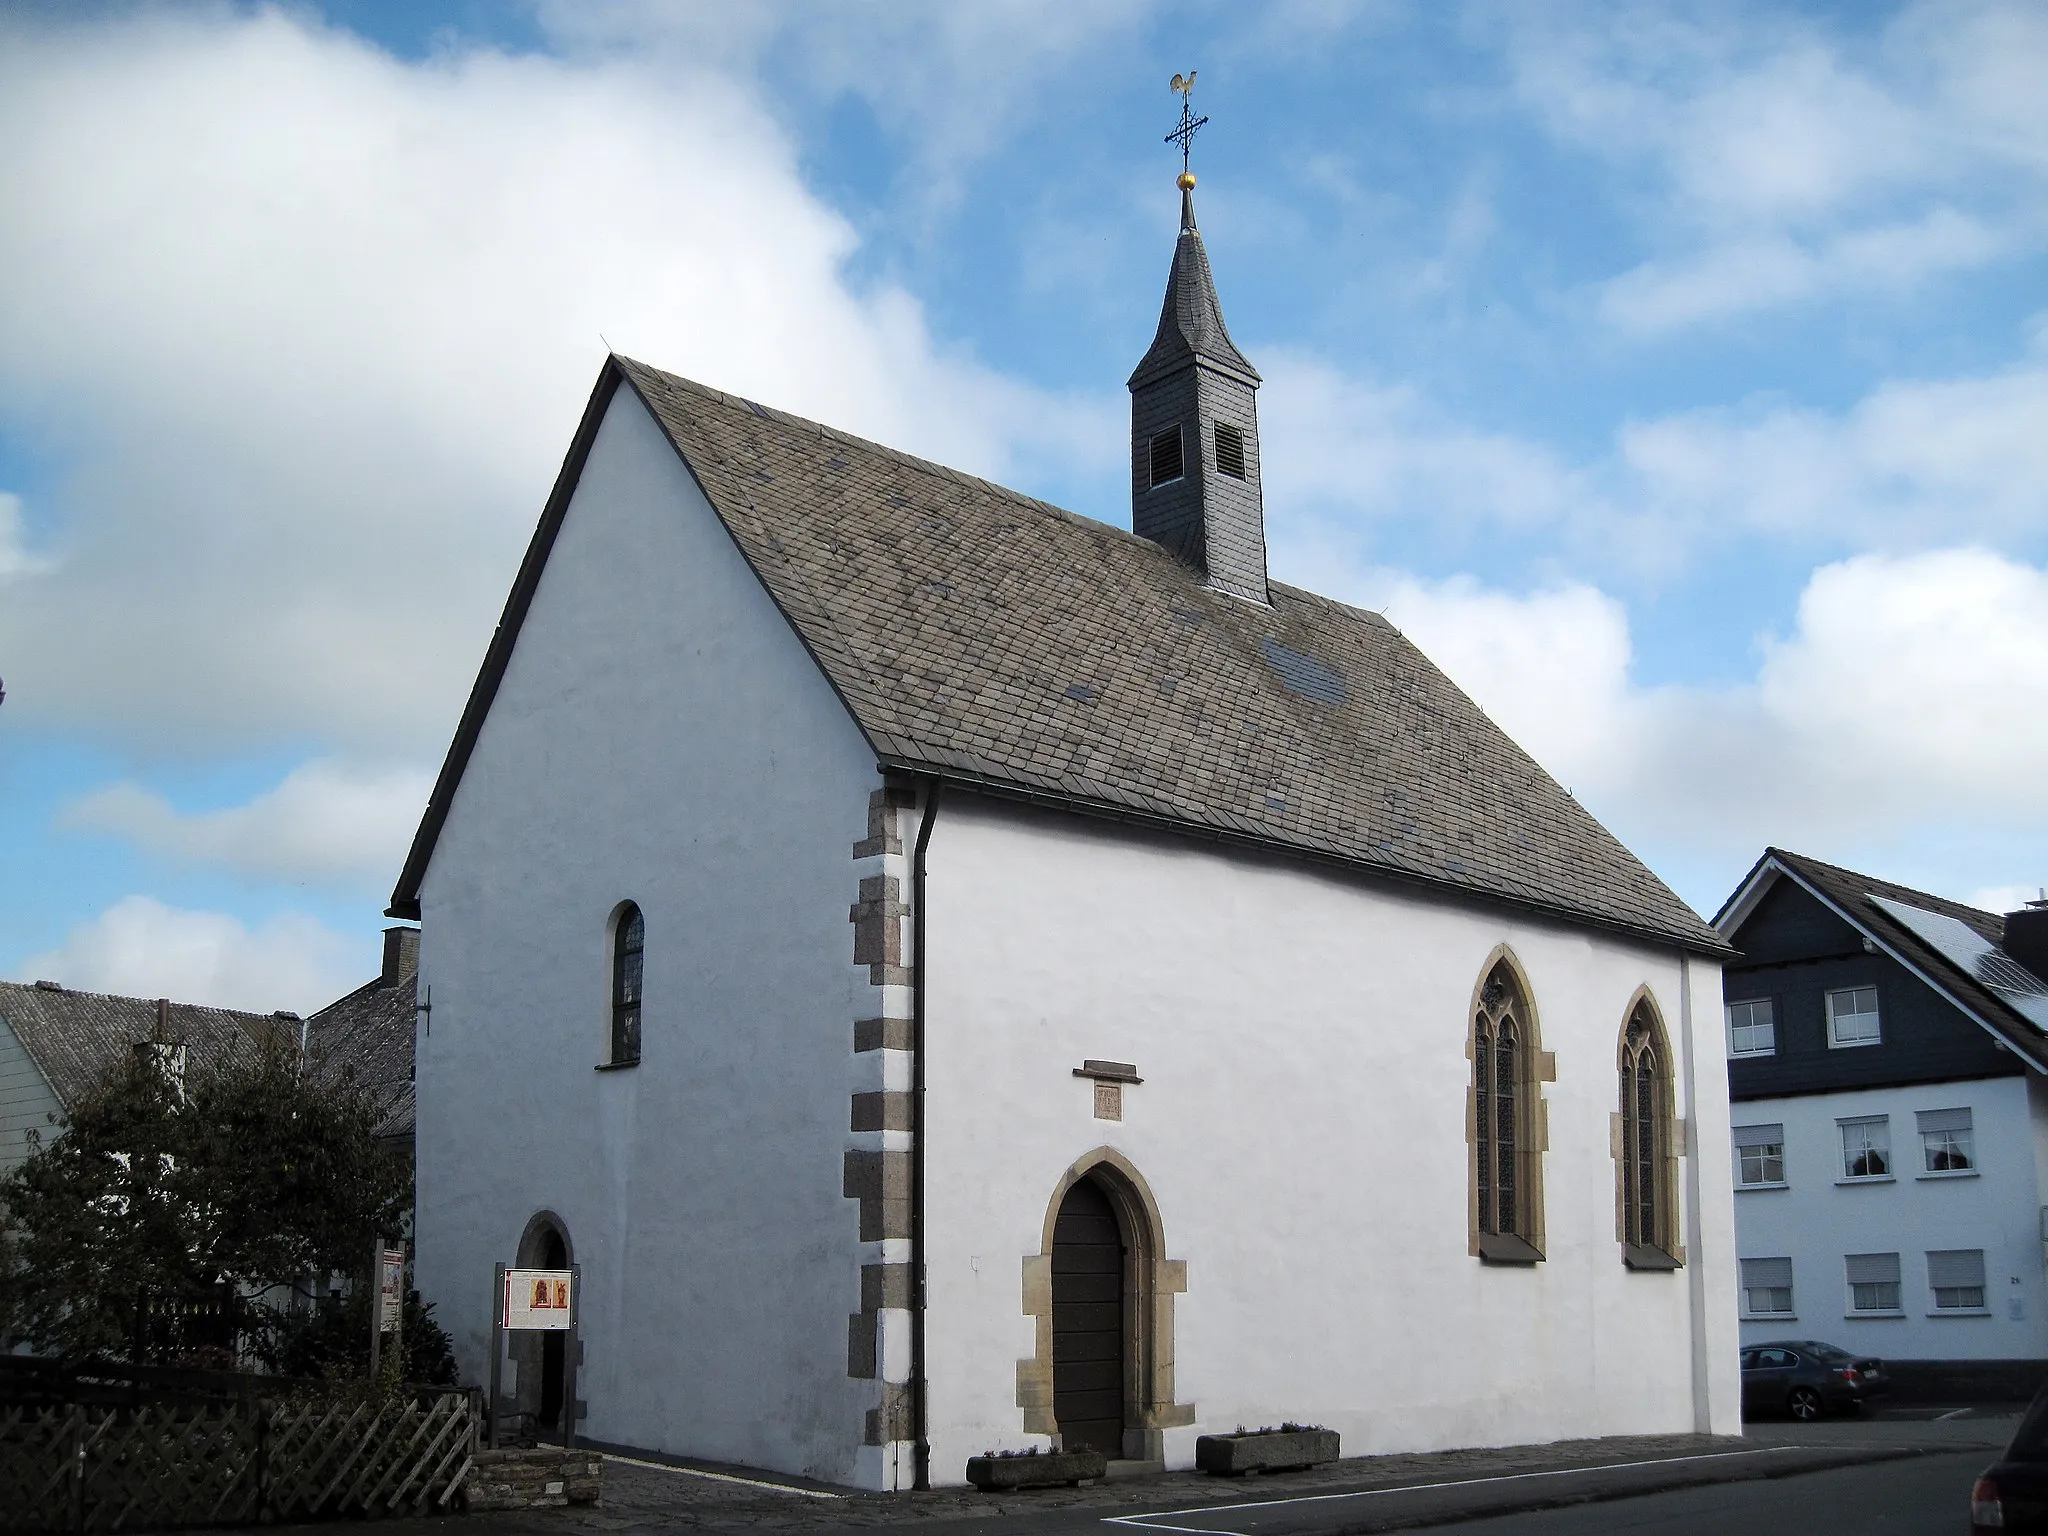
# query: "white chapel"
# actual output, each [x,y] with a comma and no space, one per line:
[956,976]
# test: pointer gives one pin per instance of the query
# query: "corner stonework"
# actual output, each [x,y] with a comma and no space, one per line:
[880,1121]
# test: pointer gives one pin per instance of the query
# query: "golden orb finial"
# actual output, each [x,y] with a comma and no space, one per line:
[1186,181]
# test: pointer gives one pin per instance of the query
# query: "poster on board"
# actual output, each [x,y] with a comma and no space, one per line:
[539,1298]
[390,1289]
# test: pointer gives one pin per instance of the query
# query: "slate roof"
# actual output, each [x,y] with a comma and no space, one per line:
[1850,893]
[370,1033]
[1191,318]
[984,637]
[77,1038]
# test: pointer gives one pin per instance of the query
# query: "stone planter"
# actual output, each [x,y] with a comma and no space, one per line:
[1286,1450]
[541,1477]
[1048,1469]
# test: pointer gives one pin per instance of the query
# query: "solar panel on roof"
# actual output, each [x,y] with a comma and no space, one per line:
[1976,957]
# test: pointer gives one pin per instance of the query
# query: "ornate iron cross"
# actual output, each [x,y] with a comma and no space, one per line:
[1184,134]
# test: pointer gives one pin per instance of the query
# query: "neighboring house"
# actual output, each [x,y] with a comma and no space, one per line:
[1886,1060]
[56,1043]
[369,1034]
[957,975]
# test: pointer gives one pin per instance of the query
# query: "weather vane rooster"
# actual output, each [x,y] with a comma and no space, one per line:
[1184,133]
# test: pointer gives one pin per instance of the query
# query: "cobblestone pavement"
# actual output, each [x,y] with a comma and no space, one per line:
[640,1496]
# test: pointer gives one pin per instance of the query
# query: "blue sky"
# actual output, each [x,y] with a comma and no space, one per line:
[1676,375]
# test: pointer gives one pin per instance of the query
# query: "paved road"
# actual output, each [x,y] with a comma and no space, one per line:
[1926,1496]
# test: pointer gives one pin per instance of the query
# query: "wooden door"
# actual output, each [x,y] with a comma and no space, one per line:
[1088,1322]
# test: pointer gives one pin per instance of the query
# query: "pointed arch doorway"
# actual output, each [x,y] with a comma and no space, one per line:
[1088,1334]
[542,1359]
[1101,1291]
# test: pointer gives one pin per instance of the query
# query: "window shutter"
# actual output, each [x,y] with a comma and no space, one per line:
[1873,1268]
[1943,1120]
[1166,456]
[1955,1267]
[1765,1274]
[1759,1135]
[1230,450]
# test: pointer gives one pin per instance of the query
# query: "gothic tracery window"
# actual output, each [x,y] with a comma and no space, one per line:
[1647,1190]
[1504,1134]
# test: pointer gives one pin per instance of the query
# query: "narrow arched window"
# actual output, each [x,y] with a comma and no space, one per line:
[629,944]
[1507,1202]
[1647,1186]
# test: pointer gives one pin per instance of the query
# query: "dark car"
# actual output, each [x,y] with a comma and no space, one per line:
[2012,1495]
[1876,1379]
[1800,1380]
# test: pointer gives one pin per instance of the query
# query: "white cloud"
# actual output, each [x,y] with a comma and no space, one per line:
[2004,898]
[326,822]
[1785,163]
[139,947]
[1914,462]
[15,560]
[313,326]
[1908,706]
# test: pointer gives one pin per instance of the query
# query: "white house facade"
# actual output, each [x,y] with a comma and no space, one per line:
[1889,1130]
[954,975]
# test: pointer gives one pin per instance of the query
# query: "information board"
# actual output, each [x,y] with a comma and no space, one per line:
[539,1298]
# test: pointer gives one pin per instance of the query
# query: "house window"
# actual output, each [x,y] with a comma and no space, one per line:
[1648,1180]
[629,943]
[1759,1156]
[1767,1287]
[1866,1148]
[1505,1166]
[1752,1028]
[1956,1276]
[1947,1140]
[1873,1282]
[1229,450]
[1852,1017]
[1166,456]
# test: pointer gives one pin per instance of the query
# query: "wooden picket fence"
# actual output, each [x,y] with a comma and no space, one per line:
[116,1467]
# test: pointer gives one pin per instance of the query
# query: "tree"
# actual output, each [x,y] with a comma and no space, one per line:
[170,1216]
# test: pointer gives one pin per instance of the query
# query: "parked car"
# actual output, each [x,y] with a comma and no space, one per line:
[2012,1495]
[1795,1379]
[1876,1379]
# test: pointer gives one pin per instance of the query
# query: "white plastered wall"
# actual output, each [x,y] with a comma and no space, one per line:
[1819,1218]
[660,735]
[1301,1123]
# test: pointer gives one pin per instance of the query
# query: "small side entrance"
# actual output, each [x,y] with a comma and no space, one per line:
[1088,1321]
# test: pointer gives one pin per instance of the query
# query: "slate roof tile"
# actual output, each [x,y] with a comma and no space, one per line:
[952,615]
[77,1039]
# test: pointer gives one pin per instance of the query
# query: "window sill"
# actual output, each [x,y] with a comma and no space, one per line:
[1868,1178]
[1650,1260]
[616,1066]
[1875,1316]
[1769,1317]
[1852,1045]
[1961,1312]
[1506,1248]
[1751,1055]
[1742,1189]
[1948,1173]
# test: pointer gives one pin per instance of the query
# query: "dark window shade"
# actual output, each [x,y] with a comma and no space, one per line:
[1229,450]
[1167,463]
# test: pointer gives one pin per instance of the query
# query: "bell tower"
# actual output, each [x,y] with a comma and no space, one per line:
[1195,420]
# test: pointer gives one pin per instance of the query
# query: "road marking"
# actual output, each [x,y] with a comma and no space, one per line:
[720,1477]
[1943,1418]
[1156,1521]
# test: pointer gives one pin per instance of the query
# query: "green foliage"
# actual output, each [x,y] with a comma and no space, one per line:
[164,1218]
[331,1342]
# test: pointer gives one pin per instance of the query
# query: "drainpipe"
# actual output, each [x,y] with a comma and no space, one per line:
[920,1421]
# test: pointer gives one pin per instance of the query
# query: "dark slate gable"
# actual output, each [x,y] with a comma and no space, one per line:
[1802,927]
[979,636]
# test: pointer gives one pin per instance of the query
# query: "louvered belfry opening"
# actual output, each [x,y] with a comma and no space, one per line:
[1193,389]
[1088,1337]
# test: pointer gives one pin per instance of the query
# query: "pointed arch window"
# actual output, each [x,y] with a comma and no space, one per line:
[1647,1182]
[629,946]
[1507,1133]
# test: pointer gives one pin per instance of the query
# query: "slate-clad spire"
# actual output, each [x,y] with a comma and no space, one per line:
[1195,430]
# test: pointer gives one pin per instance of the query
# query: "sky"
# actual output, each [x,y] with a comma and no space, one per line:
[1675,375]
